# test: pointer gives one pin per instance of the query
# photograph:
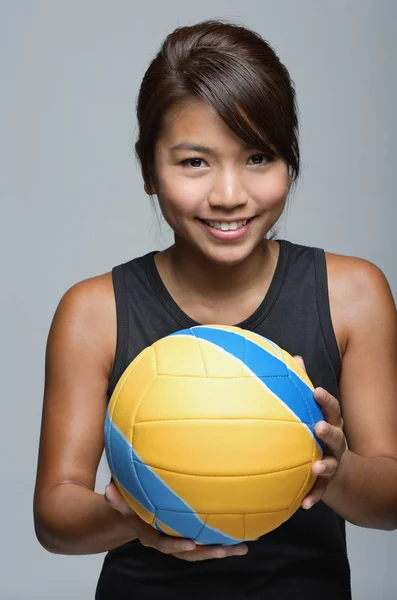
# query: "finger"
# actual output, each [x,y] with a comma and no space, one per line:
[326,467]
[210,552]
[113,495]
[183,548]
[300,362]
[115,499]
[316,493]
[167,544]
[333,437]
[330,407]
[172,545]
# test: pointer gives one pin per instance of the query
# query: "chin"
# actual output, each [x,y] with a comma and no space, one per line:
[228,257]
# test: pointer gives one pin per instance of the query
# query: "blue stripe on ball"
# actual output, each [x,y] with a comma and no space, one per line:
[157,526]
[121,462]
[141,482]
[283,382]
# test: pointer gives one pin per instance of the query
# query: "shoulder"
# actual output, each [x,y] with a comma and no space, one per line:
[86,315]
[359,293]
[89,297]
[355,279]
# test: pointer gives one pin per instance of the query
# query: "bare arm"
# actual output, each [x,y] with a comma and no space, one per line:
[69,517]
[364,489]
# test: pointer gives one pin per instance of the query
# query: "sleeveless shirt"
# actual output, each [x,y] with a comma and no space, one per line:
[306,557]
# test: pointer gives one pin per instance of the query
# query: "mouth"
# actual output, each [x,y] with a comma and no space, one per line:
[227,231]
[226,225]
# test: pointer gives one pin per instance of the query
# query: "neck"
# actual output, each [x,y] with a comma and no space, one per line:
[196,274]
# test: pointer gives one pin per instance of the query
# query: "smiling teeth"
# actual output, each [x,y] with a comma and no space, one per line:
[226,226]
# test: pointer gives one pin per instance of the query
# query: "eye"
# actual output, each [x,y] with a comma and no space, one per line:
[259,159]
[192,162]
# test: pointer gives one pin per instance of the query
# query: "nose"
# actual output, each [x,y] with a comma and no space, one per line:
[228,191]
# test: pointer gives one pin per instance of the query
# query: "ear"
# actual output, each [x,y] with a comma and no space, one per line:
[149,189]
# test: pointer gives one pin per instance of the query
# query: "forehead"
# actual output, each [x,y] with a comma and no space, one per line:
[195,119]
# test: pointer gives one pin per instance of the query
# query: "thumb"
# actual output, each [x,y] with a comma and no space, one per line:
[112,493]
[116,501]
[113,496]
[300,362]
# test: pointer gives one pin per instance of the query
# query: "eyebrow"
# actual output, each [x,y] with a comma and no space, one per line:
[194,147]
[204,149]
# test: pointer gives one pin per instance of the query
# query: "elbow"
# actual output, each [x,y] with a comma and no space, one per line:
[52,543]
[382,525]
[44,539]
[390,521]
[383,519]
[47,532]
[47,539]
[388,516]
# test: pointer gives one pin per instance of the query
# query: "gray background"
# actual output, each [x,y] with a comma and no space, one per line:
[72,200]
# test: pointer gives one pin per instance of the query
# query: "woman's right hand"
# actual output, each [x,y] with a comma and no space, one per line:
[180,547]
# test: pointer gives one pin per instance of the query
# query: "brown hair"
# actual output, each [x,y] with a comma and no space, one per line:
[233,70]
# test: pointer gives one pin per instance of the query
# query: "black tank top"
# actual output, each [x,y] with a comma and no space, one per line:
[306,557]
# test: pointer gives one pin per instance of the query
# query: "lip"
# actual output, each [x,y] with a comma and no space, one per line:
[230,235]
[234,220]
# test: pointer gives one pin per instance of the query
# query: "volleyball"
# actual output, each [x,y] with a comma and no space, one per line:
[209,435]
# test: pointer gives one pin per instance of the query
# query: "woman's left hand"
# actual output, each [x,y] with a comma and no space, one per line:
[330,431]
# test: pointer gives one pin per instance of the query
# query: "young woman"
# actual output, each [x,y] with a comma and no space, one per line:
[218,146]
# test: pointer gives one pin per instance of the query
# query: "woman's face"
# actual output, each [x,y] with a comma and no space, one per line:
[217,194]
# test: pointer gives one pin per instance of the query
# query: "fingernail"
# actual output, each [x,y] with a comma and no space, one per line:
[241,551]
[188,547]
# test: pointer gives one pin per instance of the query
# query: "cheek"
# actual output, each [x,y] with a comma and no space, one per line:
[270,195]
[182,194]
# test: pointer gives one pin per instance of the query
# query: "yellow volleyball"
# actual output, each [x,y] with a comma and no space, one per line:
[209,435]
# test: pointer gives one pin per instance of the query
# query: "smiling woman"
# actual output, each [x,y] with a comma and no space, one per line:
[218,146]
[213,186]
[233,71]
